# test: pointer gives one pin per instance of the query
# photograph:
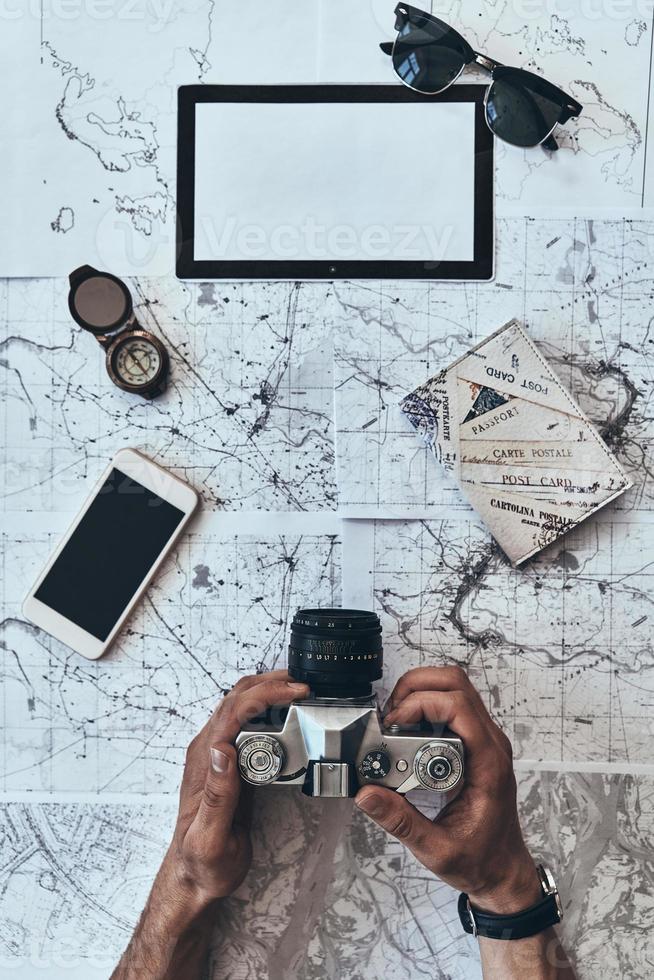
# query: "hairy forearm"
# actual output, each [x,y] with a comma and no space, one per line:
[171,940]
[540,957]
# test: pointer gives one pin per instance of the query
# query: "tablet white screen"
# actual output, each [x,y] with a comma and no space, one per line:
[329,181]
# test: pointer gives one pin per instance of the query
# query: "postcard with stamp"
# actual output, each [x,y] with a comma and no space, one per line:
[523,452]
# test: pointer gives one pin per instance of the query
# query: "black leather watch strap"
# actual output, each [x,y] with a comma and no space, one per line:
[530,922]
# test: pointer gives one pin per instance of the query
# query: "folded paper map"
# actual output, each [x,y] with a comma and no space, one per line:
[523,452]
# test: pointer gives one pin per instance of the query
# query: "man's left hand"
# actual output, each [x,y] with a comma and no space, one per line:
[211,851]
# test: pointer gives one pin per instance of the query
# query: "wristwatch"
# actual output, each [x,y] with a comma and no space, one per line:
[548,912]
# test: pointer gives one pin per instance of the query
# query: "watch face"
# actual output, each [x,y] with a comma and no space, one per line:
[136,361]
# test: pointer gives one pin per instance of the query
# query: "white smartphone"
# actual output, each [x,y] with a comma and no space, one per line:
[108,557]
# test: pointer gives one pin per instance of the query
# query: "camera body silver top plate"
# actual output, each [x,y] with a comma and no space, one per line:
[330,747]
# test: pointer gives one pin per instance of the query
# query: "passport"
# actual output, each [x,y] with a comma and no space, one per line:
[519,446]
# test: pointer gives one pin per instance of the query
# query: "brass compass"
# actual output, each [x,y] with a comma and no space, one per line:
[100,303]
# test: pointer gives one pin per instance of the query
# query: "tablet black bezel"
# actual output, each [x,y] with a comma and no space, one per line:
[479,268]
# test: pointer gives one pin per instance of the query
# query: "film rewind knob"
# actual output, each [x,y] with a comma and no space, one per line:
[260,759]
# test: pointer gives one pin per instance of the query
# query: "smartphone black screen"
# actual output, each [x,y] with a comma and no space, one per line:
[109,554]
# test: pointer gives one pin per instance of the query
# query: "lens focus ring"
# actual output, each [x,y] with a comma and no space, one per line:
[338,652]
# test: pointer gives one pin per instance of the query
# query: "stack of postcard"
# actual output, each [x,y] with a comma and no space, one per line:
[523,452]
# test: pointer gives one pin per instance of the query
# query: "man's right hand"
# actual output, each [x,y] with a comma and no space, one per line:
[475,844]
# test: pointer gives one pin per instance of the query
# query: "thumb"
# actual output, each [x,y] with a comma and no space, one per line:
[397,816]
[220,795]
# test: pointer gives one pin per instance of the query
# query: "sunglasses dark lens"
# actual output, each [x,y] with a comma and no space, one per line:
[430,57]
[518,112]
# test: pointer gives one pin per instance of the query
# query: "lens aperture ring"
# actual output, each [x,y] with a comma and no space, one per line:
[336,651]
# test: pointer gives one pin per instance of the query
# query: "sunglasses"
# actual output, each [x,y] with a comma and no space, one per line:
[521,108]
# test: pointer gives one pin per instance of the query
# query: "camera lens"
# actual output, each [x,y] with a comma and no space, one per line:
[337,652]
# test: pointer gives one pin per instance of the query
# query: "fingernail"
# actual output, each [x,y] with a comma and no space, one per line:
[219,761]
[298,688]
[370,804]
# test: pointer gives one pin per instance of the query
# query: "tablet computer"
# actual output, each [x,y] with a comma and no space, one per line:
[333,182]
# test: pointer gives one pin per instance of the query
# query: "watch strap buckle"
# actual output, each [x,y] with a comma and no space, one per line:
[549,887]
[471,916]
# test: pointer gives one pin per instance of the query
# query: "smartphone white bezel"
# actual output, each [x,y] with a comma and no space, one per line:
[155,478]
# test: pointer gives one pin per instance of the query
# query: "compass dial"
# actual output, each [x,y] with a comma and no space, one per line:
[137,361]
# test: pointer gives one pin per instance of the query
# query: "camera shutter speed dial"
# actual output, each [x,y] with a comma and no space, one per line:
[438,766]
[375,765]
[260,759]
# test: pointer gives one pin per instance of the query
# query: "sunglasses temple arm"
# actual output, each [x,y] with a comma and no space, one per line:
[387,47]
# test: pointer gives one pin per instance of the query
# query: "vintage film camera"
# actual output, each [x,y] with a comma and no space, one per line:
[335,741]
